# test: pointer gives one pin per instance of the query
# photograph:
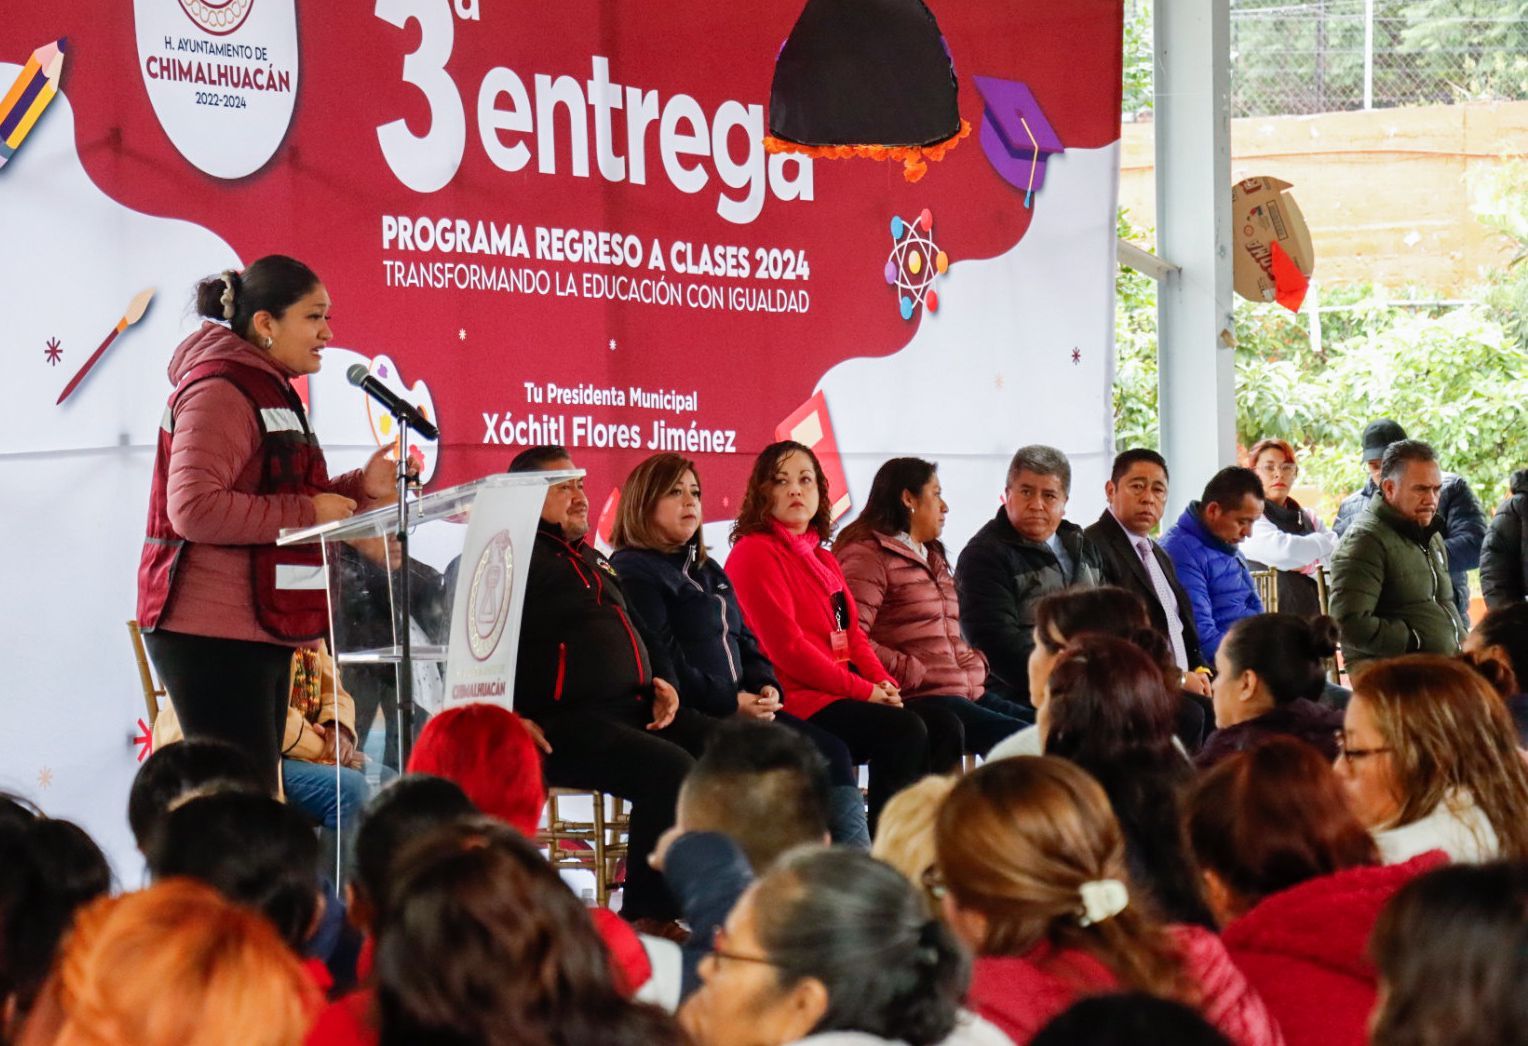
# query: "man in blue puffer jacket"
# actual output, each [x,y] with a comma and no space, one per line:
[1202,546]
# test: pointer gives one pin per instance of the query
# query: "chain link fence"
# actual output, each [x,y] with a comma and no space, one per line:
[1316,56]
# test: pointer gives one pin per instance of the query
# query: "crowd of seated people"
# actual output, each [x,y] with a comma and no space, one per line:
[1176,834]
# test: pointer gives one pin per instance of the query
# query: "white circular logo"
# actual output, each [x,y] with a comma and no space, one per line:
[488,598]
[221,76]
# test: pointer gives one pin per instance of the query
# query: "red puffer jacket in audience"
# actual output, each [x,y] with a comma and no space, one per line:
[908,608]
[1020,994]
[1304,950]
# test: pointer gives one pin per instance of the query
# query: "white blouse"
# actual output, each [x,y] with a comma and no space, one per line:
[1456,826]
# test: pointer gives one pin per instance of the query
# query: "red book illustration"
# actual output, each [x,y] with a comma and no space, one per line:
[809,424]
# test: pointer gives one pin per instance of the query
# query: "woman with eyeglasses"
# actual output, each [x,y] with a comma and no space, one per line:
[832,946]
[1287,538]
[1428,758]
[1296,883]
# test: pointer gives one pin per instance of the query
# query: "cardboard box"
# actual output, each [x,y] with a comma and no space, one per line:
[1273,257]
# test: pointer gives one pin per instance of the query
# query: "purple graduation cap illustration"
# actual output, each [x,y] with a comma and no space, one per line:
[1015,134]
[865,78]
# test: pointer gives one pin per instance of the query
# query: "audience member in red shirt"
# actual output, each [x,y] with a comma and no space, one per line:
[1032,866]
[1297,884]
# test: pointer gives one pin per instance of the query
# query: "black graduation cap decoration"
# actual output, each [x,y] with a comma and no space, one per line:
[866,78]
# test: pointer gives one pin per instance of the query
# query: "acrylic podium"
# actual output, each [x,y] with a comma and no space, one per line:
[469,550]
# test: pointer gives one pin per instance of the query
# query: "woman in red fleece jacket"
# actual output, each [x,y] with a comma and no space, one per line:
[221,608]
[1297,883]
[1031,863]
[794,596]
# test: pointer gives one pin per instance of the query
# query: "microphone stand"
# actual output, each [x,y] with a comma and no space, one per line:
[401,610]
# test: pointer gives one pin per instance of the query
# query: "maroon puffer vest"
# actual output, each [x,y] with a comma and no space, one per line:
[290,587]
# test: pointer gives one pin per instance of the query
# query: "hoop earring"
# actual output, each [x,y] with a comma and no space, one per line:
[267,341]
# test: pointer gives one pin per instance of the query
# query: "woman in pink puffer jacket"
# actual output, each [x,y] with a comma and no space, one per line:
[896,569]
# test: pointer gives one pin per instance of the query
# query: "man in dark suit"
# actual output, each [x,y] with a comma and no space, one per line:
[1137,493]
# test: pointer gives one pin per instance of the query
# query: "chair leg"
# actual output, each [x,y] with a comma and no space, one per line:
[601,875]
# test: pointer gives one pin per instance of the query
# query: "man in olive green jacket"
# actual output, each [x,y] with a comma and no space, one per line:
[1391,592]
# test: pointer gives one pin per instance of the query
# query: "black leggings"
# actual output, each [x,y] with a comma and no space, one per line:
[611,750]
[892,740]
[841,768]
[229,690]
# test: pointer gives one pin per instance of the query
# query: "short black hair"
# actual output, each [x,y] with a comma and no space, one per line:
[762,784]
[1402,453]
[252,849]
[17,810]
[1126,1018]
[538,458]
[50,870]
[409,807]
[1230,486]
[178,769]
[1126,458]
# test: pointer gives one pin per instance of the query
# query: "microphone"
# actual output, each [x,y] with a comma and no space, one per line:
[395,404]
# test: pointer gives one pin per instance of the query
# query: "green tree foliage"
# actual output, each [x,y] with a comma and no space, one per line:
[1454,375]
[1307,56]
[1138,58]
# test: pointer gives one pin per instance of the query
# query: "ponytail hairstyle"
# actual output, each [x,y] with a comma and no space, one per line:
[861,929]
[1288,653]
[1502,653]
[1022,841]
[270,284]
[884,512]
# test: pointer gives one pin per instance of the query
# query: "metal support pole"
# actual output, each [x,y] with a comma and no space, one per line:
[1196,361]
[401,615]
[1368,54]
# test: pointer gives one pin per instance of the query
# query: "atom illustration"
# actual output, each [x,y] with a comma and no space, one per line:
[915,260]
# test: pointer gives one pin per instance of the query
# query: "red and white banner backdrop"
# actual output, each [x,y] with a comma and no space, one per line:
[548,222]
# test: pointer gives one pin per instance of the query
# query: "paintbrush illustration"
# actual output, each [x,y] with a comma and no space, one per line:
[134,313]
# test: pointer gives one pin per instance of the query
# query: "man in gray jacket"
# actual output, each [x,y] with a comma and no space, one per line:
[1464,524]
[1391,592]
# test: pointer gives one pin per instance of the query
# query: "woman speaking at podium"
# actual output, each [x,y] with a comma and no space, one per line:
[220,605]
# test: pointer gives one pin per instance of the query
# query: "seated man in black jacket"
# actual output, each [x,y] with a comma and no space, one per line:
[1027,552]
[583,676]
